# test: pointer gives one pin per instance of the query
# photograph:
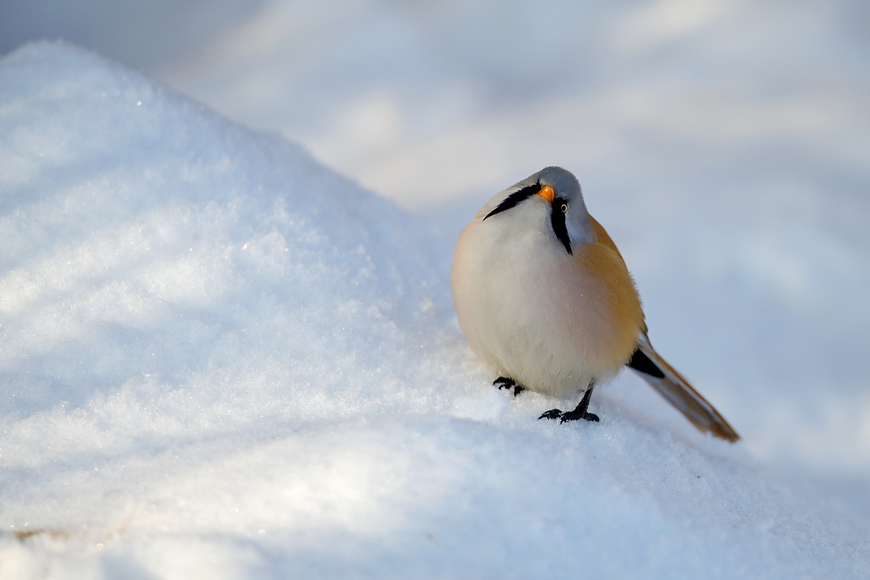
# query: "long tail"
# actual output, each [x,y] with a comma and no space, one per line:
[676,389]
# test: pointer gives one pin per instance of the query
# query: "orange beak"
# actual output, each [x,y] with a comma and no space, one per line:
[547,193]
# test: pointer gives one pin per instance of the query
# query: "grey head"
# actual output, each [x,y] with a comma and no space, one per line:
[568,216]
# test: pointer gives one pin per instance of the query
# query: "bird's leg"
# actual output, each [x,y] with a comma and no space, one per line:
[506,383]
[580,412]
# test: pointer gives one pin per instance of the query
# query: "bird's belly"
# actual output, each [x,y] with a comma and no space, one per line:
[535,318]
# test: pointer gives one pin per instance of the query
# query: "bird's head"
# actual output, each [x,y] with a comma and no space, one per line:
[559,189]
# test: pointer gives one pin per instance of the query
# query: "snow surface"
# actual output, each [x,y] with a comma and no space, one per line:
[221,360]
[723,144]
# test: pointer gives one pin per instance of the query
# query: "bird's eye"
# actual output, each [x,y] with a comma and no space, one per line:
[564,208]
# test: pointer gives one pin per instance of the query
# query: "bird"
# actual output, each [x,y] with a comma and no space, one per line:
[544,298]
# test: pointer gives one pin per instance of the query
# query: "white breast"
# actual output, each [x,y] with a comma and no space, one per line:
[516,291]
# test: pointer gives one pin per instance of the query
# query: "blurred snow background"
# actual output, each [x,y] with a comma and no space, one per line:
[723,144]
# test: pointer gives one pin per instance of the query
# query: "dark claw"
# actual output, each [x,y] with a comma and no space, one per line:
[506,383]
[575,416]
[580,412]
[551,414]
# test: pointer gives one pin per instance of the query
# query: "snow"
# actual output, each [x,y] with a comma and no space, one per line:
[221,359]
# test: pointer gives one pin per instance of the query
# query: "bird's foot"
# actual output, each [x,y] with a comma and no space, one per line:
[506,383]
[576,416]
[551,414]
[580,412]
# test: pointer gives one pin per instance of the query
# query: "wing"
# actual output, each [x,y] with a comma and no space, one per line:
[678,392]
[603,238]
[665,379]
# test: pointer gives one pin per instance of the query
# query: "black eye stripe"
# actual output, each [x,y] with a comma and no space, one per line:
[515,198]
[557,219]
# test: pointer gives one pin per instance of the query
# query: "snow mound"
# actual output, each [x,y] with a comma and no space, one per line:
[155,248]
[221,360]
